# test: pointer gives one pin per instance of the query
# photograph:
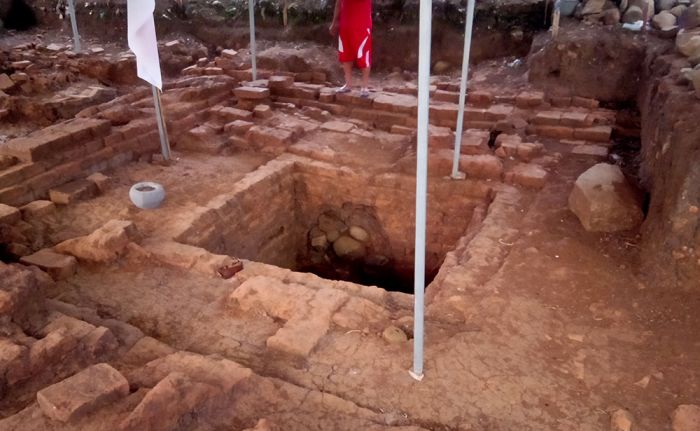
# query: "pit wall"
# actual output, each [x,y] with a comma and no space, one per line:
[642,70]
[670,168]
[255,221]
[267,215]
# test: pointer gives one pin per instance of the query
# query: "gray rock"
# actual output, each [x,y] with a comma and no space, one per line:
[691,17]
[603,200]
[632,15]
[665,4]
[678,10]
[663,20]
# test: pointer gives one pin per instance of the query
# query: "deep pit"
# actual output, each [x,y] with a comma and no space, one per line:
[337,223]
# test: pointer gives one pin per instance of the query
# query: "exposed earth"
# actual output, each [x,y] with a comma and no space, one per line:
[272,289]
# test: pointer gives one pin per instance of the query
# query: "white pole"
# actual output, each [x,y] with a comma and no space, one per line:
[251,20]
[164,141]
[425,38]
[74,24]
[463,89]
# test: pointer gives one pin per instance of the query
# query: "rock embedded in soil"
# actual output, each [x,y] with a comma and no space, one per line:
[621,420]
[686,418]
[394,335]
[688,42]
[348,248]
[359,233]
[604,201]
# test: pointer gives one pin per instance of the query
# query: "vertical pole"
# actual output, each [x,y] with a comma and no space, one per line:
[555,19]
[74,24]
[164,141]
[463,89]
[251,20]
[426,13]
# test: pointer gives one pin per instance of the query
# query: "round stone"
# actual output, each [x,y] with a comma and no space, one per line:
[359,233]
[663,19]
[348,248]
[394,335]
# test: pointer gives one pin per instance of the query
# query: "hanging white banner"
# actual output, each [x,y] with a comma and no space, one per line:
[142,40]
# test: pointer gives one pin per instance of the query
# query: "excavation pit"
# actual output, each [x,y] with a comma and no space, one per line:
[337,223]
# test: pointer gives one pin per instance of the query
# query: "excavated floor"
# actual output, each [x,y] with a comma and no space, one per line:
[532,322]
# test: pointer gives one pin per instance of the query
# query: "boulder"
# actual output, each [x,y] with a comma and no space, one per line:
[593,7]
[677,11]
[394,335]
[103,245]
[690,19]
[632,15]
[359,233]
[665,4]
[441,67]
[686,418]
[611,16]
[348,247]
[663,19]
[688,42]
[604,201]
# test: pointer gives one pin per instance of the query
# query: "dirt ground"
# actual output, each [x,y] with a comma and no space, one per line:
[533,323]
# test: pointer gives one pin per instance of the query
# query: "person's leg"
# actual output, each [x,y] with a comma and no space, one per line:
[347,71]
[364,62]
[365,77]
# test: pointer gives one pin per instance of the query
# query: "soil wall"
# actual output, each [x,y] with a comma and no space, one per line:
[501,29]
[620,67]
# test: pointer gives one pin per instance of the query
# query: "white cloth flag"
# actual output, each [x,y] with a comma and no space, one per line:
[142,40]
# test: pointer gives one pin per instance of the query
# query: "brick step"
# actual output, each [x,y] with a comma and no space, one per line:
[46,143]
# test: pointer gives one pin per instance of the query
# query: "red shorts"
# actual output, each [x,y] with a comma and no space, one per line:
[355,46]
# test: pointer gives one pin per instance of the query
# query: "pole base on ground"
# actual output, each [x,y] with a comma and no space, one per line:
[415,376]
[459,176]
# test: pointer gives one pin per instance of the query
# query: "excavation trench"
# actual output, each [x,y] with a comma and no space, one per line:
[337,223]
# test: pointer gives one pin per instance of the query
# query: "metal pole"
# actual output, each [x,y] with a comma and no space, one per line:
[251,20]
[164,141]
[426,14]
[74,24]
[463,89]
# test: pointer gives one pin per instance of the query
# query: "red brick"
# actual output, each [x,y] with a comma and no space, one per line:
[529,99]
[575,119]
[498,112]
[584,102]
[481,166]
[280,81]
[444,112]
[445,96]
[594,133]
[527,175]
[238,127]
[251,93]
[58,266]
[556,132]
[547,118]
[72,192]
[82,393]
[480,98]
[560,101]
[9,215]
[267,136]
[353,99]
[396,103]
